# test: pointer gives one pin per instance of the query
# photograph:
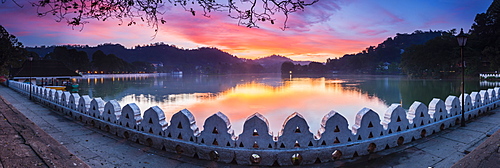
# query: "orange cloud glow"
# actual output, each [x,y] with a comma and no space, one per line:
[328,29]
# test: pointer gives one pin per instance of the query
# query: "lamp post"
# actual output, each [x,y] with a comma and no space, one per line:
[31,72]
[462,39]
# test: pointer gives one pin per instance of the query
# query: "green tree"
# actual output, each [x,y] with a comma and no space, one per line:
[73,59]
[98,60]
[388,52]
[436,58]
[485,38]
[332,64]
[80,60]
[316,67]
[287,67]
[110,63]
[12,52]
[481,53]
[143,66]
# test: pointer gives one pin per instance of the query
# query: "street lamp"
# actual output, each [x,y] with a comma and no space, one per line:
[462,39]
[31,72]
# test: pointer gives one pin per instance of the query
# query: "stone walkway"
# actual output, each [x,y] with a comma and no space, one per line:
[100,149]
[96,148]
[444,149]
[485,155]
[24,144]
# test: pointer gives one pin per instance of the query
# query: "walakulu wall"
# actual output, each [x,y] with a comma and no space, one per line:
[294,145]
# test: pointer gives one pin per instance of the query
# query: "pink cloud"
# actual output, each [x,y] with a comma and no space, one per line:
[436,21]
[216,31]
[373,32]
[326,29]
[393,19]
[317,13]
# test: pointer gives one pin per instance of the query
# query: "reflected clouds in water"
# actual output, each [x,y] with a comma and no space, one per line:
[312,97]
[274,96]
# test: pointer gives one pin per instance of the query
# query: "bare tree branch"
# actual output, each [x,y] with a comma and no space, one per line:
[248,12]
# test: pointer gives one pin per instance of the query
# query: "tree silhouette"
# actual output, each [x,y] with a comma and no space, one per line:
[485,37]
[383,58]
[287,67]
[12,52]
[73,59]
[110,63]
[247,12]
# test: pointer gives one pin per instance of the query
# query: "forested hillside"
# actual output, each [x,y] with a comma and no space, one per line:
[170,57]
[440,57]
[383,58]
[115,58]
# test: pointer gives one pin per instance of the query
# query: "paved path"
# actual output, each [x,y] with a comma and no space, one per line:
[444,149]
[100,149]
[24,144]
[485,155]
[96,148]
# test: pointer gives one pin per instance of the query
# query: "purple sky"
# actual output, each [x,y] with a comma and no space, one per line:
[328,29]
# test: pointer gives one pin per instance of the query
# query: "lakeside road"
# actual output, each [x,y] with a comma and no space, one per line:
[100,149]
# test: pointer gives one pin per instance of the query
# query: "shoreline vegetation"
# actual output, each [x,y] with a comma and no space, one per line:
[420,54]
[284,75]
[490,76]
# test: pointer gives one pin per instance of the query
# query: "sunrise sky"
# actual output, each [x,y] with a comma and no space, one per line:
[328,29]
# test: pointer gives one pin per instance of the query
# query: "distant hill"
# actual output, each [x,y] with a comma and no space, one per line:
[201,59]
[273,63]
[381,59]
[151,53]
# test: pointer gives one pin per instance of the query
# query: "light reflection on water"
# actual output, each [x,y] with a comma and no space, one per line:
[239,96]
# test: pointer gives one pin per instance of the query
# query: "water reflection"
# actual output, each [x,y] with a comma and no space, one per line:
[275,97]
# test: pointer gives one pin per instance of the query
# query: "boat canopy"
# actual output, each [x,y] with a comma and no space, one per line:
[43,69]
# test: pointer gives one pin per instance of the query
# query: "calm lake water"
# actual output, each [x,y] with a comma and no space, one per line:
[272,95]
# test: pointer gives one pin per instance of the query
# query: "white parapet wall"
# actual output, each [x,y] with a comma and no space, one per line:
[489,75]
[295,144]
[135,75]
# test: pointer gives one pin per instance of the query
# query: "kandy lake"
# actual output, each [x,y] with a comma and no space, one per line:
[272,95]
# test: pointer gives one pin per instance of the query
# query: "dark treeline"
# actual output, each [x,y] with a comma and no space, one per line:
[289,67]
[158,57]
[423,54]
[12,52]
[100,62]
[430,53]
[481,52]
[440,57]
[382,59]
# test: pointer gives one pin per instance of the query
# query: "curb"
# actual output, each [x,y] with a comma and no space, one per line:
[487,154]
